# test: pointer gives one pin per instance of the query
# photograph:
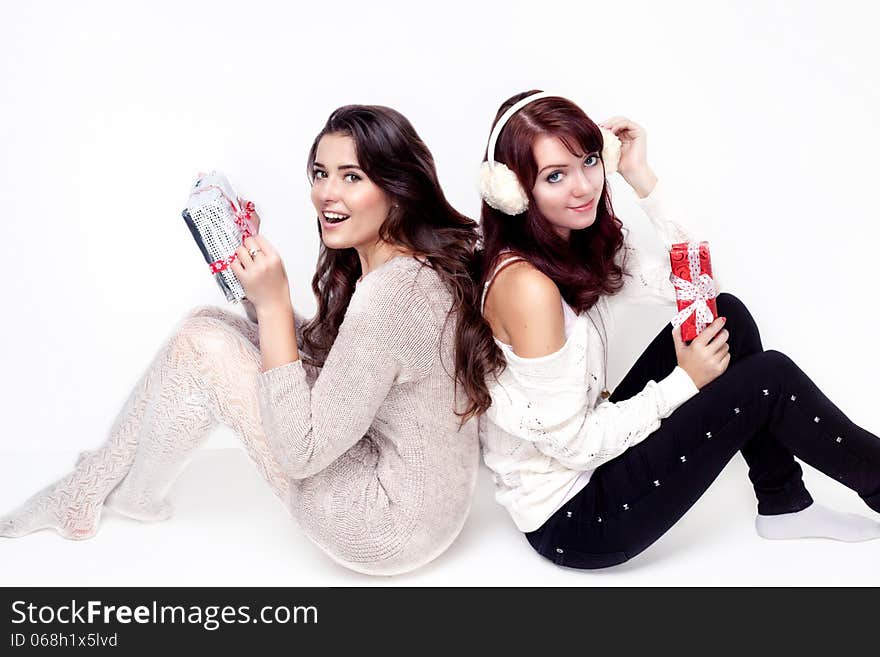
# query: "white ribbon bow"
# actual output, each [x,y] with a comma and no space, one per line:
[699,291]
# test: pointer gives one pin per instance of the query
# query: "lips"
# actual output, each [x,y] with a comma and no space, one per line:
[585,207]
[333,218]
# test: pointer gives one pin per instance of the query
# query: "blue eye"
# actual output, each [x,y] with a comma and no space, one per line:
[554,177]
[594,157]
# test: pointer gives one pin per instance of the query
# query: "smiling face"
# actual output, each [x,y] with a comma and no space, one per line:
[351,208]
[568,185]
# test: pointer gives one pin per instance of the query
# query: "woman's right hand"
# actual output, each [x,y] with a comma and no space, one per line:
[707,356]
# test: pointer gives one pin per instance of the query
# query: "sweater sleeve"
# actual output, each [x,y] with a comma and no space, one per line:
[647,274]
[389,336]
[656,206]
[545,401]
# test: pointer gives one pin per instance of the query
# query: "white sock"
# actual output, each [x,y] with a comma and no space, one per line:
[817,521]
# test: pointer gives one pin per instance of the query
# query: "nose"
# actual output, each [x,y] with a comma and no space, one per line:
[582,186]
[328,190]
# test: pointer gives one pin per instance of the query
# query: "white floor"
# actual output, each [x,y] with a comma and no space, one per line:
[229,529]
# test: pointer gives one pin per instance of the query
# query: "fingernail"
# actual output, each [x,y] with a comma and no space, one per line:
[723,319]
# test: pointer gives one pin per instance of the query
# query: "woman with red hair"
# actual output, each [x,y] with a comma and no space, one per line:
[593,478]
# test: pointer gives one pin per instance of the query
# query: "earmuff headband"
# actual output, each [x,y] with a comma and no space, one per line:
[499,186]
[513,109]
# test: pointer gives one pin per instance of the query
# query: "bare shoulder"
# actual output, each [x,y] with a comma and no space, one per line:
[524,308]
[521,287]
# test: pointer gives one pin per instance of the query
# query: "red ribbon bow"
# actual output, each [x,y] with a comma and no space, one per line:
[241,216]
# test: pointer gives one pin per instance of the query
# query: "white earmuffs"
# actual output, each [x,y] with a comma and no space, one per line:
[500,187]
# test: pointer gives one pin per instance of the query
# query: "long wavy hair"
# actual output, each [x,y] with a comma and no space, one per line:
[583,267]
[421,220]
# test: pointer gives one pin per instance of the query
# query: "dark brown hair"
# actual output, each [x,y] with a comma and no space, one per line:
[394,157]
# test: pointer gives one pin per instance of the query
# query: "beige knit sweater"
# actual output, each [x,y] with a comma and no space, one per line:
[381,476]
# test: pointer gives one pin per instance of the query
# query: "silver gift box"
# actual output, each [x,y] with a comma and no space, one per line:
[213,216]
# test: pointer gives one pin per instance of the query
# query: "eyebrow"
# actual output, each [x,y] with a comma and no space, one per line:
[553,166]
[340,167]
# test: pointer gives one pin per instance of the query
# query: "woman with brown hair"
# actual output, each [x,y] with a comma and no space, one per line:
[593,478]
[352,417]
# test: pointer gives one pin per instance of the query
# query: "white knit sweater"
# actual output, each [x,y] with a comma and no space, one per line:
[546,431]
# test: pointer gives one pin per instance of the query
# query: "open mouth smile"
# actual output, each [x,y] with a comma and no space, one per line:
[334,217]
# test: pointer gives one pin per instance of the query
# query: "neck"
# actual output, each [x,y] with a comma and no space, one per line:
[376,255]
[563,232]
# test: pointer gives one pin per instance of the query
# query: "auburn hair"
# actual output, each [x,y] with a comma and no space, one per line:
[584,267]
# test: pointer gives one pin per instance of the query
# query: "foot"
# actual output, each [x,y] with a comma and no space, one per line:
[43,511]
[817,521]
[138,506]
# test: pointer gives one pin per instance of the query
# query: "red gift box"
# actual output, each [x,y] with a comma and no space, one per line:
[694,287]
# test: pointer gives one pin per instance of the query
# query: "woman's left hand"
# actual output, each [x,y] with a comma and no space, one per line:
[262,275]
[633,165]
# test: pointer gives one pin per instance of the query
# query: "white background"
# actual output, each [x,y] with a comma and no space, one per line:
[760,118]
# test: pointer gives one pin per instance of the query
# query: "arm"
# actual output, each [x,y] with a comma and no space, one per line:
[634,168]
[648,274]
[545,398]
[648,277]
[299,320]
[389,335]
[654,204]
[249,309]
[547,404]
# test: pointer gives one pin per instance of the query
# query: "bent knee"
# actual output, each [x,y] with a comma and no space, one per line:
[206,336]
[776,364]
[736,312]
[776,358]
[205,311]
[730,305]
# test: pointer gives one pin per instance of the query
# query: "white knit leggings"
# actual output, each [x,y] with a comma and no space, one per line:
[204,374]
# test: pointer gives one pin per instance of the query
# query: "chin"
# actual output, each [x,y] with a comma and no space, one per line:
[335,241]
[580,224]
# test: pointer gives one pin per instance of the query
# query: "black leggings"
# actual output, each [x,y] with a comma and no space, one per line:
[763,406]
